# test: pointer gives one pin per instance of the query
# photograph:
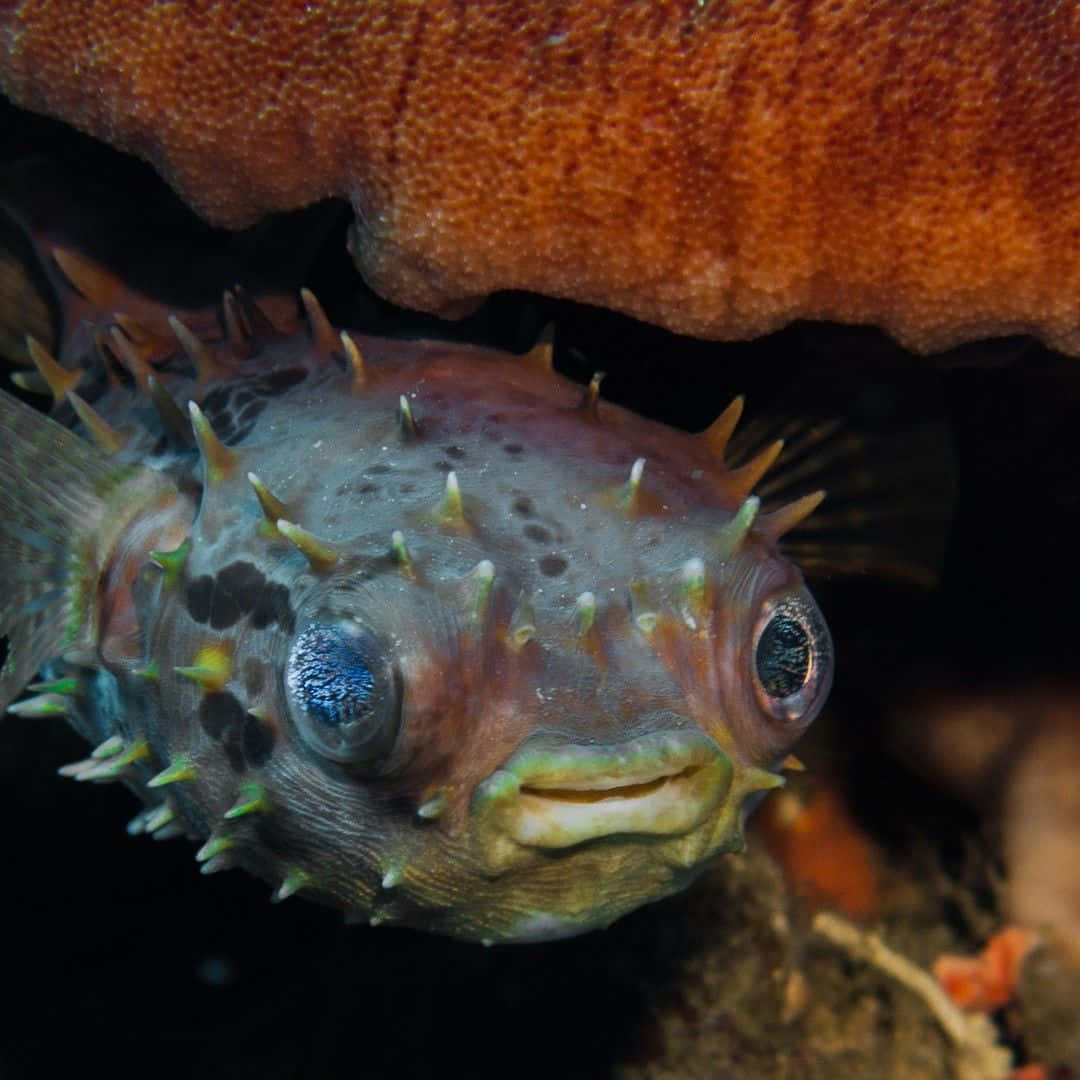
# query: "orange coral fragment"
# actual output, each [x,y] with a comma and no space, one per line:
[719,168]
[824,854]
[1030,1072]
[988,981]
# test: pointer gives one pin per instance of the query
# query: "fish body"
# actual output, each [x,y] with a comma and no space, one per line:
[424,632]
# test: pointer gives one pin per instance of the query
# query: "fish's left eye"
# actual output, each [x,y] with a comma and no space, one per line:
[343,693]
[792,658]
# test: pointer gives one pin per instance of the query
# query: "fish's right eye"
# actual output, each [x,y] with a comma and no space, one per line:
[343,693]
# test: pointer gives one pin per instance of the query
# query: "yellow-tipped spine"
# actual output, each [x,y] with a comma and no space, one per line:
[718,434]
[210,669]
[746,477]
[101,431]
[731,536]
[272,507]
[218,460]
[59,379]
[320,554]
[355,362]
[323,338]
[781,521]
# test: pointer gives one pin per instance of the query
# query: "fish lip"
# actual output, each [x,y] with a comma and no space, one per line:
[662,784]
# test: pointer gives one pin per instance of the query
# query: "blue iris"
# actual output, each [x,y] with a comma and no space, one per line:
[330,675]
[344,693]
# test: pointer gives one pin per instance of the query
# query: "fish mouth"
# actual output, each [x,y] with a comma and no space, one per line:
[556,797]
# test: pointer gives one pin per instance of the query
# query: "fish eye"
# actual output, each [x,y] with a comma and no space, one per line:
[343,693]
[792,658]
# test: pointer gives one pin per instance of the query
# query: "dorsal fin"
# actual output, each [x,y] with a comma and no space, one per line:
[876,441]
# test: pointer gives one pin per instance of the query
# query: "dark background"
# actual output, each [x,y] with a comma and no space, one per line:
[134,964]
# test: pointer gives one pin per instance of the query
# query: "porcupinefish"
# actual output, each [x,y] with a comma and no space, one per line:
[424,632]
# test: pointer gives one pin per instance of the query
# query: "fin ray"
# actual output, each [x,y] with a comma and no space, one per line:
[880,447]
[61,509]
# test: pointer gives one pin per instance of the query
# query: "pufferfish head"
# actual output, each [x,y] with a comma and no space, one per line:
[451,646]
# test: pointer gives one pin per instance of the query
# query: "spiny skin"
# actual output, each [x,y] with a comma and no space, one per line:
[508,707]
[719,168]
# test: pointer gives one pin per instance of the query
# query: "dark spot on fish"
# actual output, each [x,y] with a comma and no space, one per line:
[244,737]
[378,469]
[258,740]
[513,447]
[217,402]
[524,506]
[272,605]
[235,593]
[218,407]
[234,753]
[537,533]
[120,372]
[249,414]
[454,451]
[368,489]
[219,713]
[254,676]
[198,597]
[234,408]
[277,382]
[552,565]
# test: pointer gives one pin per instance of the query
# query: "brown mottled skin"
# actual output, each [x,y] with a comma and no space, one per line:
[719,168]
[423,631]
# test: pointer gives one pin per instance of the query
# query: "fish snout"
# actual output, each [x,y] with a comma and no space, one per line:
[559,796]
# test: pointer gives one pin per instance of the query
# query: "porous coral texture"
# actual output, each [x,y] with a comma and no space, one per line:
[717,167]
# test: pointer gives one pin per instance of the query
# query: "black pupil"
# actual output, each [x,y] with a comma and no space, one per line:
[333,676]
[783,656]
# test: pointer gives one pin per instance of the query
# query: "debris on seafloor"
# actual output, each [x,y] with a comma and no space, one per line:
[978,1054]
[1015,755]
[769,992]
[794,973]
